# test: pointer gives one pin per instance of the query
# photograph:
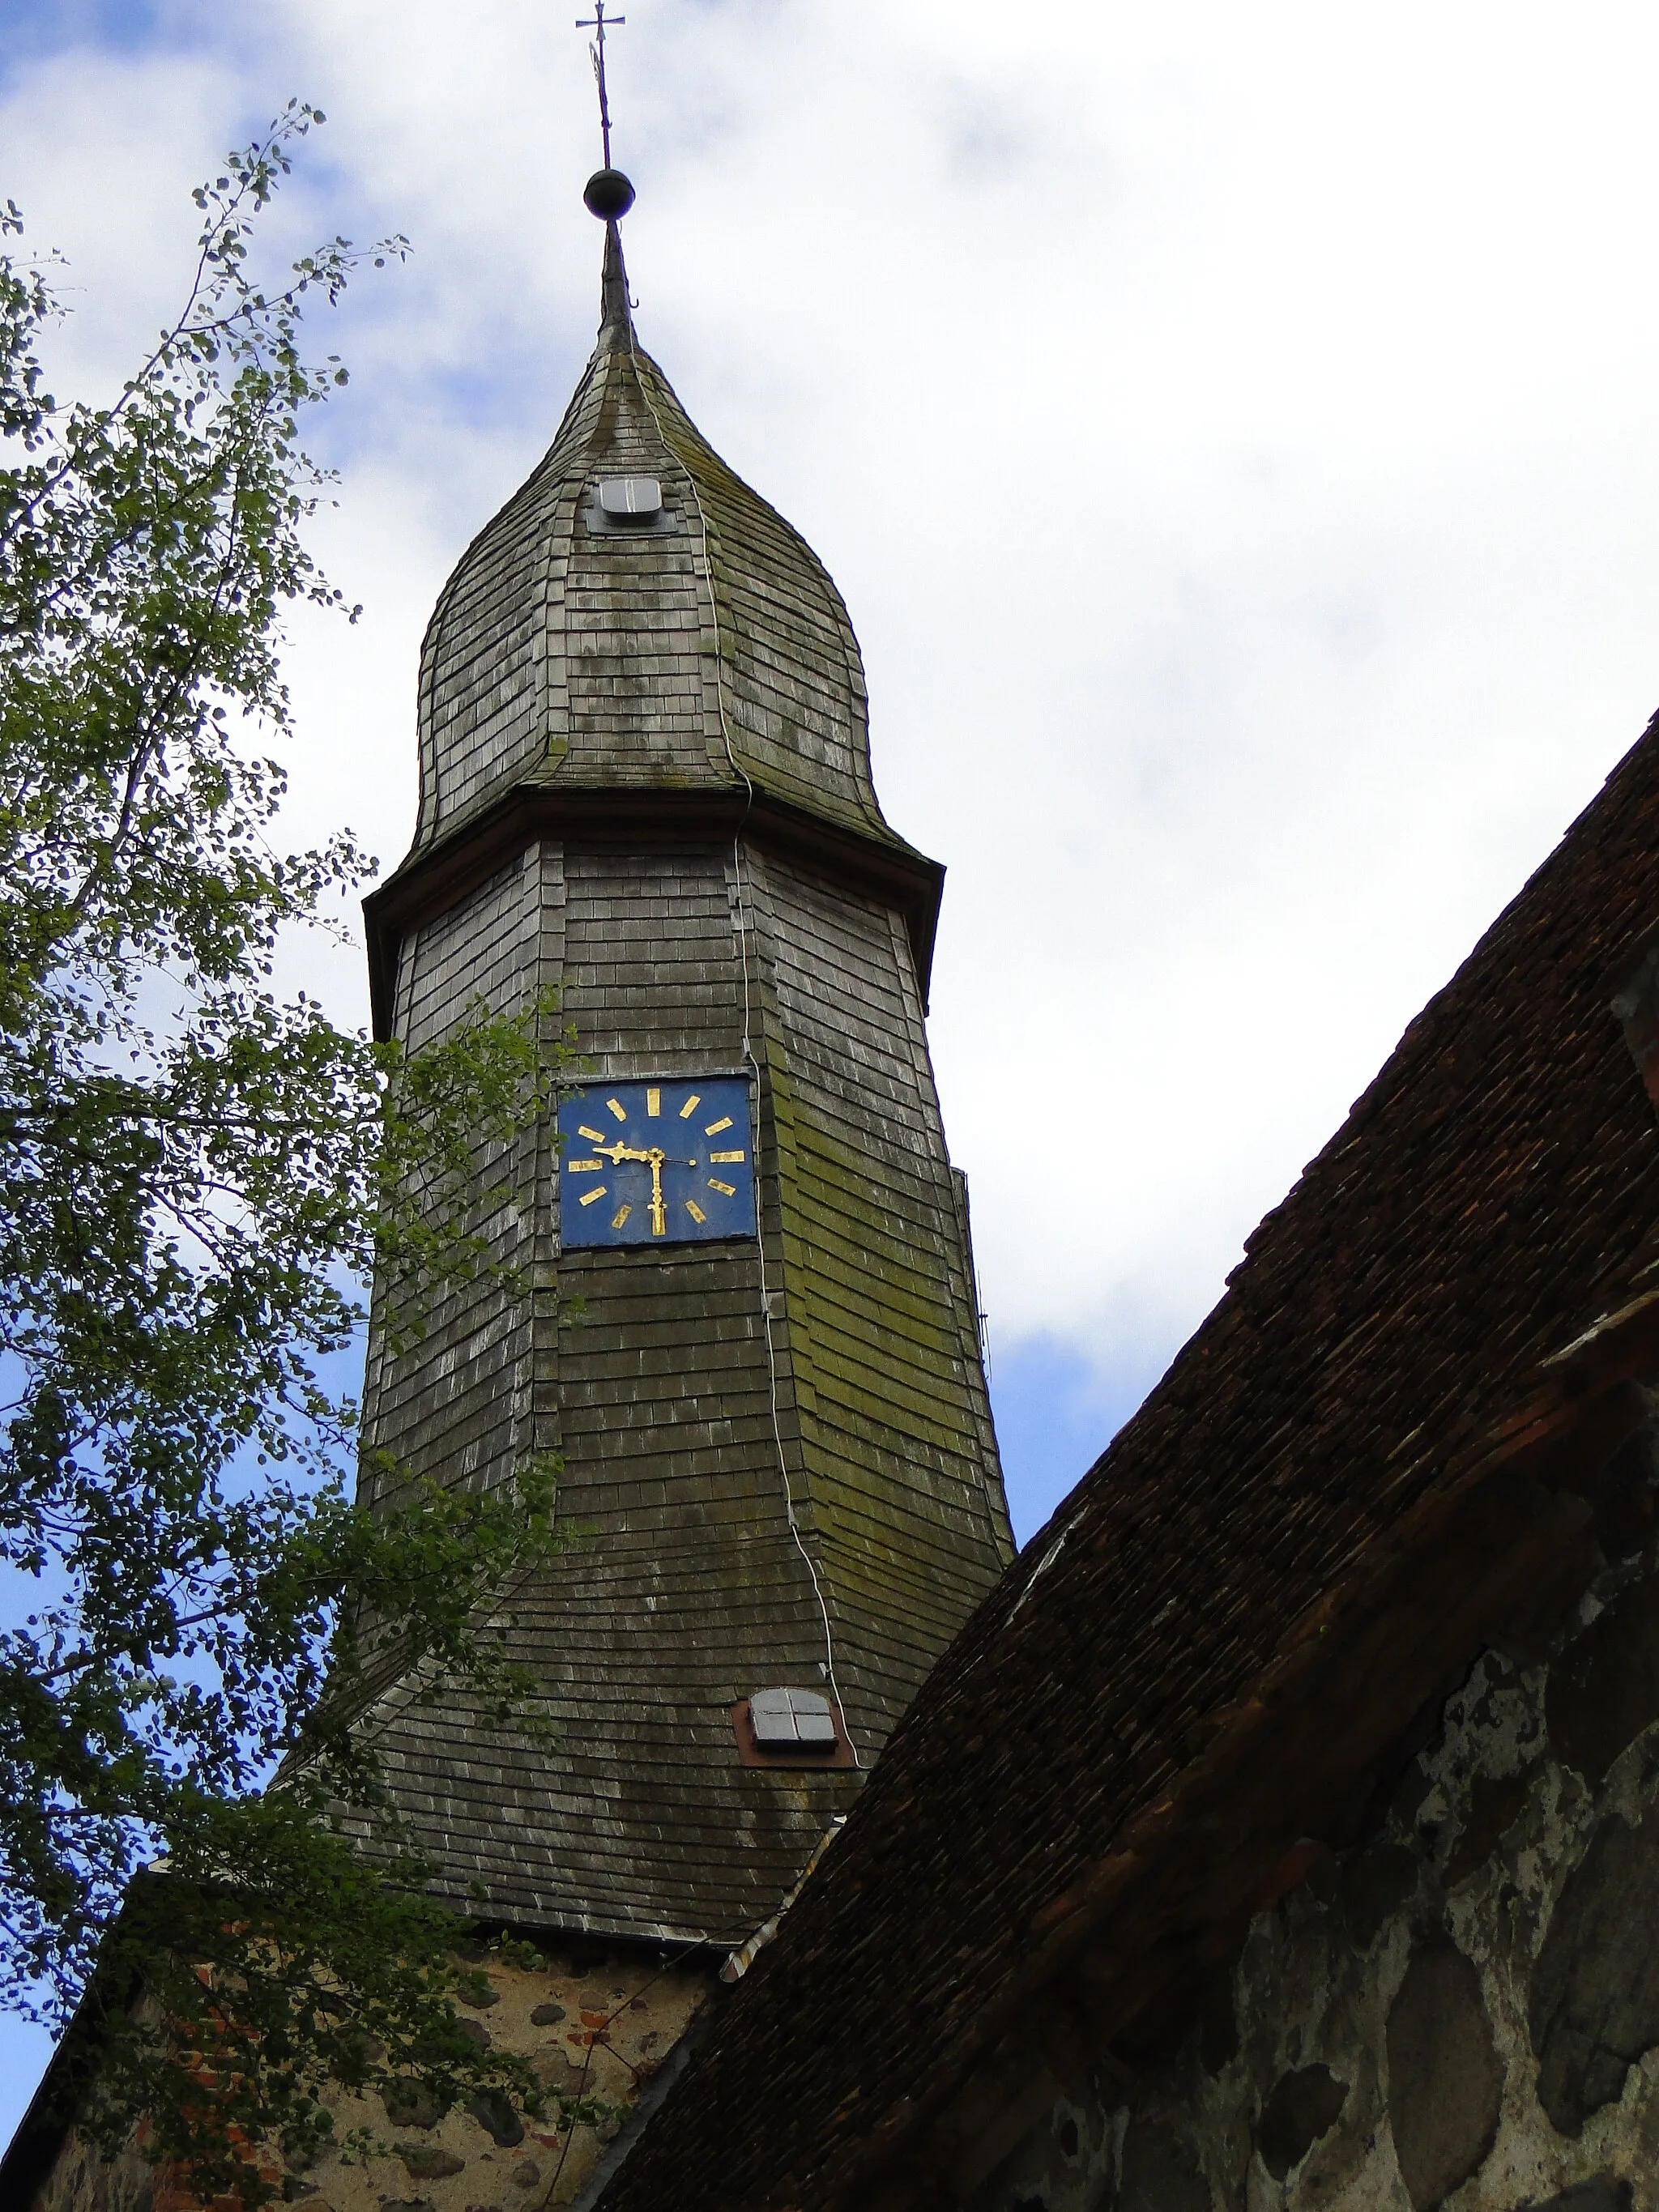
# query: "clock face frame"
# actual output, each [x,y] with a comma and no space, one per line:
[656,1162]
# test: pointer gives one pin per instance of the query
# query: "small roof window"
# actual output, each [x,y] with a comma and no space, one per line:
[782,1719]
[790,1728]
[624,500]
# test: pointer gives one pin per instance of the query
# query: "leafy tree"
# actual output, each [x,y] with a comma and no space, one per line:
[196,1173]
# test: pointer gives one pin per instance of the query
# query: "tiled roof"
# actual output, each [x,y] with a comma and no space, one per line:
[1360,1463]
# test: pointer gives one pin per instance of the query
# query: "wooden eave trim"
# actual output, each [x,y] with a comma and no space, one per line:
[430,883]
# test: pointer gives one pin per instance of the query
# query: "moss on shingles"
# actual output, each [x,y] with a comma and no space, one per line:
[873,1325]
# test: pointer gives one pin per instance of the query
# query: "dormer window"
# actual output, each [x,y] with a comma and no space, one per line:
[790,1728]
[626,503]
[781,1719]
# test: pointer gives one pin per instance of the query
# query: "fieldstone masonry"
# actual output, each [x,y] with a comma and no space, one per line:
[1462,2010]
[597,2022]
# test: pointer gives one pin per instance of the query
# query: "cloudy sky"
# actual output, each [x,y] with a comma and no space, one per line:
[1236,432]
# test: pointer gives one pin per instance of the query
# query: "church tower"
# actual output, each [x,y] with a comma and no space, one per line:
[753,1334]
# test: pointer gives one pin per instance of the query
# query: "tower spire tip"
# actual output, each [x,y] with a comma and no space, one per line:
[616,316]
[608,195]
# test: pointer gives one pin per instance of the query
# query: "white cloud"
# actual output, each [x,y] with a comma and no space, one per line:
[1232,430]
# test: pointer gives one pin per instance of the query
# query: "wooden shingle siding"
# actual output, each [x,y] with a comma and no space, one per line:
[653,978]
[711,653]
[479,710]
[454,1407]
[899,1440]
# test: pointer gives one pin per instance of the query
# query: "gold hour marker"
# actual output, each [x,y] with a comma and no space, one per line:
[593,1136]
[694,1210]
[653,1101]
[714,1127]
[727,1190]
[617,1108]
[690,1106]
[620,1216]
[716,1159]
[589,1196]
[583,1167]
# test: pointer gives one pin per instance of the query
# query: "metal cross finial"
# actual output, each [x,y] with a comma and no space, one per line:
[597,22]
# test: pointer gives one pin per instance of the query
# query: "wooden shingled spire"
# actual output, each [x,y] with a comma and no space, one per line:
[645,779]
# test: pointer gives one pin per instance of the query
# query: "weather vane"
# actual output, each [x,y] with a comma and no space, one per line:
[596,21]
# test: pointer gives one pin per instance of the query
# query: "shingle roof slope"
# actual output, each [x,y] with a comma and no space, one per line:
[1493,1193]
[556,658]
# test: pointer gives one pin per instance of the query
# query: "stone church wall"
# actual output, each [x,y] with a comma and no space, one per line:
[596,2021]
[1461,2010]
[84,2181]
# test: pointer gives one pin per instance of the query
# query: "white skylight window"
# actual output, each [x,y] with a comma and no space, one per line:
[791,1720]
[623,500]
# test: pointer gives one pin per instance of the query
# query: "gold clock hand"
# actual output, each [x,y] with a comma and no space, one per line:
[659,1216]
[620,1152]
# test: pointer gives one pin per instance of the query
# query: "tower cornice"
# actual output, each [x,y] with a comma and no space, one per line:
[435,879]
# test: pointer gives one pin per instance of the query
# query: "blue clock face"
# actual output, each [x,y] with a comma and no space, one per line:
[656,1163]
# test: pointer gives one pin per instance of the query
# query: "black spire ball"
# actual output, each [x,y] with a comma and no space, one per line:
[608,194]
